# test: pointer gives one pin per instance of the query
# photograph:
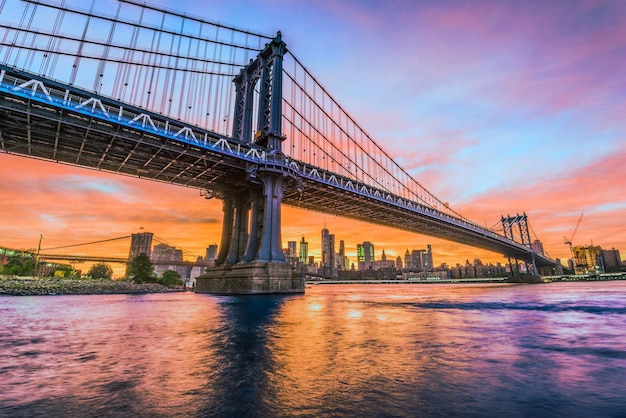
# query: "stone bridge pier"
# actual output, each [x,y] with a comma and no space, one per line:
[250,258]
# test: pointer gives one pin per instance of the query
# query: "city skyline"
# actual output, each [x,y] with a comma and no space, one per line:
[493,109]
[292,249]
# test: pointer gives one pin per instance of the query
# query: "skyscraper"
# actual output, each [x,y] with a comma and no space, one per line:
[427,258]
[342,259]
[408,262]
[325,246]
[328,252]
[304,251]
[332,262]
[365,255]
[291,247]
[211,253]
[416,259]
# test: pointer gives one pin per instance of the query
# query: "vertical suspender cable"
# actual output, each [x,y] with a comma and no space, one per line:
[28,52]
[160,85]
[134,69]
[182,108]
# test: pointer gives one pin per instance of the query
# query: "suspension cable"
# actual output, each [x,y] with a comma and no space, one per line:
[144,26]
[87,243]
[386,170]
[105,44]
[122,61]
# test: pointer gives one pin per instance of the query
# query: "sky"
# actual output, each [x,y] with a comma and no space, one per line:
[496,107]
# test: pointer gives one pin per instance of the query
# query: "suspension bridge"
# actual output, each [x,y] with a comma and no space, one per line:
[169,97]
[115,250]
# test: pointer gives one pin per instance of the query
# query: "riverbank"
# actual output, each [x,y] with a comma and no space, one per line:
[411,281]
[54,286]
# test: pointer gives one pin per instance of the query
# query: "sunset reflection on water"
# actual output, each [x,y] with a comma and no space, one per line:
[408,350]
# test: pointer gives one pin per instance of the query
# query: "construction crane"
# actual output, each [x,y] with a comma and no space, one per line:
[569,241]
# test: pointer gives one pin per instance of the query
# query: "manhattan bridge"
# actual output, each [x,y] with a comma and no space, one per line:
[161,95]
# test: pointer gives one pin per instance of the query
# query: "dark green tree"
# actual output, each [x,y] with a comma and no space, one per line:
[141,270]
[171,278]
[100,271]
[19,265]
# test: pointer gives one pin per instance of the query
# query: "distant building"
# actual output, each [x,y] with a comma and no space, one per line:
[588,259]
[416,259]
[383,263]
[162,254]
[571,265]
[427,258]
[311,265]
[399,263]
[211,253]
[291,249]
[342,260]
[558,269]
[194,272]
[328,264]
[304,251]
[612,260]
[537,246]
[325,247]
[333,257]
[365,255]
[421,260]
[408,262]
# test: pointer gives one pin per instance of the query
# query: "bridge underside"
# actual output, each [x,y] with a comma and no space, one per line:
[49,133]
[44,131]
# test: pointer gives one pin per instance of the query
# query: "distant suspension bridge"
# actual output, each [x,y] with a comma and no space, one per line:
[50,254]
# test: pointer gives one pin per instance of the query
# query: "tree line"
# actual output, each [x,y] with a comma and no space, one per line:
[140,270]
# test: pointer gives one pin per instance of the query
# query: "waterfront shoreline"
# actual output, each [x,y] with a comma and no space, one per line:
[51,286]
[480,280]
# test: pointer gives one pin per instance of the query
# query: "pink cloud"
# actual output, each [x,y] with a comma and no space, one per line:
[554,206]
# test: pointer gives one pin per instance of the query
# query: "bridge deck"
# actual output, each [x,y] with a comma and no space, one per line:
[40,118]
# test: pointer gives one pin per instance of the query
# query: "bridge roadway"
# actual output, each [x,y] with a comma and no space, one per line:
[44,119]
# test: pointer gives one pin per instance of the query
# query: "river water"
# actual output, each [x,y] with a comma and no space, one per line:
[554,349]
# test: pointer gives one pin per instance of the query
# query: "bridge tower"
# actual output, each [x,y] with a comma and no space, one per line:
[250,258]
[521,221]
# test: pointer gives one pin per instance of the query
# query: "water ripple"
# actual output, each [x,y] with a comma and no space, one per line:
[366,351]
[489,306]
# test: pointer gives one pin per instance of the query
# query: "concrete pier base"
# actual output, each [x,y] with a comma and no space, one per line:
[250,279]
